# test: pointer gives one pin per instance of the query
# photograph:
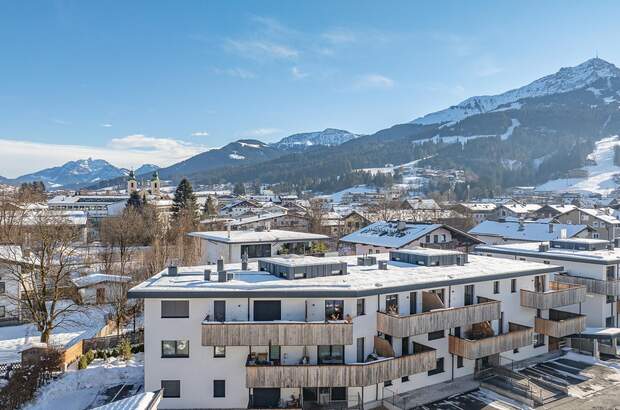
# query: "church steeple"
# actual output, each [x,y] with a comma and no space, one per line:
[132,184]
[155,183]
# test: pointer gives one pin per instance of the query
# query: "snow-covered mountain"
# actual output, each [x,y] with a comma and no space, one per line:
[327,137]
[565,80]
[83,171]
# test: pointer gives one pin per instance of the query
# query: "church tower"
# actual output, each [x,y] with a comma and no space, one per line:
[155,184]
[132,184]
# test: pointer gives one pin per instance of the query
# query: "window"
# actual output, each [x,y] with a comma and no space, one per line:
[256,251]
[334,309]
[469,295]
[515,351]
[438,367]
[539,339]
[595,235]
[496,287]
[609,322]
[219,388]
[2,288]
[391,304]
[404,379]
[413,303]
[387,383]
[459,361]
[361,307]
[611,272]
[174,348]
[333,354]
[513,286]
[174,308]
[610,298]
[219,351]
[274,353]
[172,388]
[2,311]
[435,335]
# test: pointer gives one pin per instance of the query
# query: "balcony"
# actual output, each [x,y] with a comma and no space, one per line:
[437,319]
[596,286]
[560,294]
[277,333]
[476,347]
[259,374]
[560,324]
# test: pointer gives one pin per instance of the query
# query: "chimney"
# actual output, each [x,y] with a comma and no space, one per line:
[207,275]
[172,270]
[220,264]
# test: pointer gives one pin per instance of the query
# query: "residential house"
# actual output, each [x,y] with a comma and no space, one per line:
[100,288]
[511,231]
[605,225]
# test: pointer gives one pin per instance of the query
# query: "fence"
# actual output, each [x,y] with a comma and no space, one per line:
[110,342]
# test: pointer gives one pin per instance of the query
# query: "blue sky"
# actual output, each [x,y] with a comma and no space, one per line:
[157,81]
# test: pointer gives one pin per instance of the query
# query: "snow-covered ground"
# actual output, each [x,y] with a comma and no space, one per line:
[78,325]
[600,176]
[84,389]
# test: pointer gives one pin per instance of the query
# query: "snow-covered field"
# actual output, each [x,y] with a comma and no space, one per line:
[600,176]
[84,389]
[78,325]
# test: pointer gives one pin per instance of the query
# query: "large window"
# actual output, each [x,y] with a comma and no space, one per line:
[172,388]
[256,251]
[391,304]
[219,388]
[174,309]
[331,354]
[334,309]
[174,348]
[438,367]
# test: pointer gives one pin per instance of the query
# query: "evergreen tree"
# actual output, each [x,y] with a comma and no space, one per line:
[239,189]
[184,199]
[210,208]
[135,200]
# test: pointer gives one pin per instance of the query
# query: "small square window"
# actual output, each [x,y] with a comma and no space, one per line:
[219,351]
[219,388]
[172,388]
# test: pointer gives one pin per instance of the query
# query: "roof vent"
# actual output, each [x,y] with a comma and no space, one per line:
[221,276]
[172,270]
[207,275]
[543,247]
[383,265]
[366,260]
[460,261]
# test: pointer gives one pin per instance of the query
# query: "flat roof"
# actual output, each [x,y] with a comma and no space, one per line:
[251,236]
[600,257]
[360,280]
[299,260]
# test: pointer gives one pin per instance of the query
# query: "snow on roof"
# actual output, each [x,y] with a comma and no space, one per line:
[388,235]
[522,209]
[480,207]
[190,280]
[140,401]
[562,209]
[531,248]
[419,203]
[605,215]
[257,218]
[240,202]
[526,231]
[96,278]
[252,236]
[602,331]
[102,199]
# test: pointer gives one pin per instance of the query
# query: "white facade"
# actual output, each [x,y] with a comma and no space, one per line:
[304,300]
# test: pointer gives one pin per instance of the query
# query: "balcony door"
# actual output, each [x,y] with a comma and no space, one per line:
[469,295]
[391,304]
[360,350]
[219,310]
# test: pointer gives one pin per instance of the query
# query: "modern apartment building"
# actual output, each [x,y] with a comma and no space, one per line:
[593,263]
[300,331]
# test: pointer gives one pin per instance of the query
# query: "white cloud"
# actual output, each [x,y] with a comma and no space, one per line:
[21,157]
[106,125]
[373,81]
[235,72]
[261,132]
[340,36]
[297,73]
[200,134]
[258,49]
[60,122]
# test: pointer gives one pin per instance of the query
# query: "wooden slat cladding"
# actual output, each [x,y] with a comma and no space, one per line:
[343,375]
[421,323]
[560,328]
[599,287]
[276,333]
[560,294]
[474,349]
